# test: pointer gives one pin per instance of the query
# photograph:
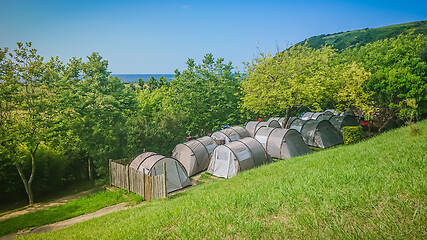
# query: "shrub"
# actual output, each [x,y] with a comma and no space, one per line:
[352,134]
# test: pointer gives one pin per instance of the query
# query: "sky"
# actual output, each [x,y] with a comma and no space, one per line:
[143,37]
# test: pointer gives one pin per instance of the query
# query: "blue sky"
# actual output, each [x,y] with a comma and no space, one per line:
[159,36]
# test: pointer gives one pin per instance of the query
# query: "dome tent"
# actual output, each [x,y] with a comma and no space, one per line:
[282,143]
[320,134]
[209,143]
[290,120]
[229,159]
[230,134]
[152,164]
[325,117]
[253,126]
[342,121]
[194,155]
[307,115]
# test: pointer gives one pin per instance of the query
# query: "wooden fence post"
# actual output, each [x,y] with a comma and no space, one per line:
[109,170]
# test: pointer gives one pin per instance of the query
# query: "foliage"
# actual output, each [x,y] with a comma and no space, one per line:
[343,40]
[71,209]
[397,73]
[364,190]
[352,134]
[303,77]
[208,94]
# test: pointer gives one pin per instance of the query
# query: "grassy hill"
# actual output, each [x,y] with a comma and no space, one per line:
[343,40]
[374,189]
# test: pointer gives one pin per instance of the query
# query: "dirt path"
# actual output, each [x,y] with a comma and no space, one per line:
[57,202]
[70,222]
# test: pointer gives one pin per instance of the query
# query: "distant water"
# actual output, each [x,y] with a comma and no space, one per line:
[133,78]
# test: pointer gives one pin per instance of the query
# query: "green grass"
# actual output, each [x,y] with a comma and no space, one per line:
[74,208]
[373,189]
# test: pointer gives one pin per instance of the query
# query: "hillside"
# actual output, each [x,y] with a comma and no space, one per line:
[374,189]
[343,40]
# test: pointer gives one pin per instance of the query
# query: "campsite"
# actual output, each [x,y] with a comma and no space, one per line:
[213,120]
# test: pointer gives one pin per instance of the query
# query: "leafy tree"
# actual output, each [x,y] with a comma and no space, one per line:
[397,74]
[208,94]
[301,77]
[102,104]
[27,115]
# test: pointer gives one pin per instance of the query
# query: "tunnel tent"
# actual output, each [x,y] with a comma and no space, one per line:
[316,115]
[325,117]
[348,113]
[193,155]
[229,159]
[331,111]
[152,164]
[307,115]
[320,134]
[272,123]
[208,142]
[290,120]
[251,127]
[278,119]
[297,124]
[282,143]
[230,134]
[339,122]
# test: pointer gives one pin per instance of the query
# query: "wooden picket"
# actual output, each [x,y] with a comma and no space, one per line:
[132,180]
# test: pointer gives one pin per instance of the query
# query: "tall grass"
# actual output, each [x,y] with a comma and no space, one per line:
[373,189]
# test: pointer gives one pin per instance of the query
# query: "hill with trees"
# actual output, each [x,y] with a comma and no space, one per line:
[343,40]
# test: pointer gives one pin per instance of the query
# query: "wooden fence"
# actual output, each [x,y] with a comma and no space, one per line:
[132,180]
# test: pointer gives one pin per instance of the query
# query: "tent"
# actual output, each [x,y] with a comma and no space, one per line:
[325,117]
[282,143]
[290,120]
[194,155]
[278,119]
[342,121]
[307,115]
[229,159]
[320,134]
[230,134]
[348,112]
[209,143]
[296,124]
[152,164]
[253,126]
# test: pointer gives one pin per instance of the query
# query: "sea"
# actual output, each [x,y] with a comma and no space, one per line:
[133,78]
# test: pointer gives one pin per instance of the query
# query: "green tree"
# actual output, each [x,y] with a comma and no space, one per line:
[27,107]
[301,77]
[208,94]
[397,74]
[102,104]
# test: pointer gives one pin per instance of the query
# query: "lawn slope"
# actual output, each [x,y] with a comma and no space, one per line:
[374,189]
[343,40]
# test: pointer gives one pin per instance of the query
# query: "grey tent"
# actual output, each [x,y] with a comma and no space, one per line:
[342,121]
[282,143]
[297,124]
[278,119]
[307,115]
[320,134]
[325,117]
[316,115]
[194,155]
[331,111]
[229,159]
[209,143]
[348,112]
[152,164]
[230,134]
[253,126]
[290,120]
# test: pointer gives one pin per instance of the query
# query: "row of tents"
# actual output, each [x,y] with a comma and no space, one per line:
[231,150]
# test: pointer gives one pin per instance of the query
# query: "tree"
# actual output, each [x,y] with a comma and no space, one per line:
[397,74]
[208,94]
[102,104]
[301,77]
[27,112]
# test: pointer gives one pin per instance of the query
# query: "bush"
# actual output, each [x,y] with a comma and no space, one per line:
[352,134]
